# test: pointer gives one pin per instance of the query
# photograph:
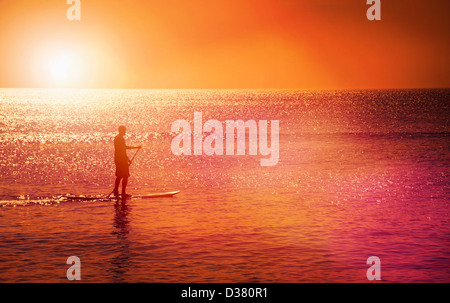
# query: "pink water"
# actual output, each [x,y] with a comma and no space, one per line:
[361,173]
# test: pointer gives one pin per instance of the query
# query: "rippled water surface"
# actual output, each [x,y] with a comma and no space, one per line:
[361,173]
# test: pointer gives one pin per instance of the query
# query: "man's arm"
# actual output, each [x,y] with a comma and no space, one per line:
[133,147]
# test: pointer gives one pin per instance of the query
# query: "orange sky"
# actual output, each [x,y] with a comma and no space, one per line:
[311,44]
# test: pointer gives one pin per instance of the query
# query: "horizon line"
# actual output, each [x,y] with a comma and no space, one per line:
[273,88]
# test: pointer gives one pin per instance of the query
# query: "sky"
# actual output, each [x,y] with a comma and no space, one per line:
[232,44]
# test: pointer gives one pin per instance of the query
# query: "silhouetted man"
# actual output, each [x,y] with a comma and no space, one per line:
[122,162]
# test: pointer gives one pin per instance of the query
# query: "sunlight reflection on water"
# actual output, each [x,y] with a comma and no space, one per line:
[361,173]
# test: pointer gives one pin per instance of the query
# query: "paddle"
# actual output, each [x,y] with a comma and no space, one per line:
[131,161]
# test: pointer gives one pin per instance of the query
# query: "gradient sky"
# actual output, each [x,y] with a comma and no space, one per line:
[310,44]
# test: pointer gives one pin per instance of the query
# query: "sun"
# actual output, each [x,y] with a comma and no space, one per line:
[62,67]
[66,68]
[74,64]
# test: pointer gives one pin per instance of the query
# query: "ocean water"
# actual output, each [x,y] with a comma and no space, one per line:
[360,174]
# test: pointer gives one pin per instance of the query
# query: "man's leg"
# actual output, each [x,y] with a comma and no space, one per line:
[116,186]
[124,185]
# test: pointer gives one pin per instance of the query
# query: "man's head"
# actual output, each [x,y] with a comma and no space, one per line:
[122,130]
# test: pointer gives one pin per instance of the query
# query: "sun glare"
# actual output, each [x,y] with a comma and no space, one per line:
[66,68]
[61,67]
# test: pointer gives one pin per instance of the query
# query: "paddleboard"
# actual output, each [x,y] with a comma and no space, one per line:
[147,196]
[157,195]
[70,197]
